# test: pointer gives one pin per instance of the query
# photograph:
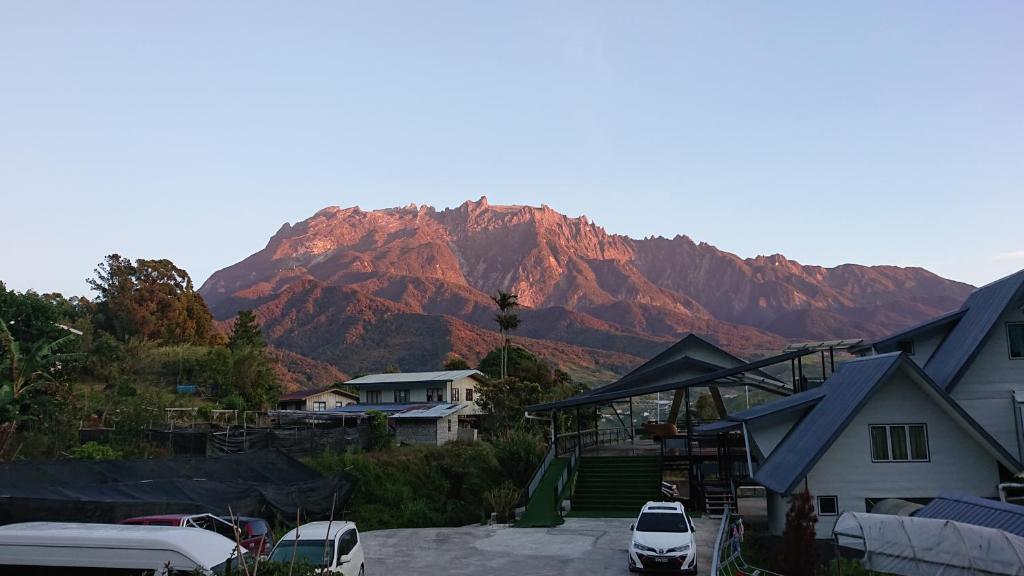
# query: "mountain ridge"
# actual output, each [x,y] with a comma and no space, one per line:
[580,286]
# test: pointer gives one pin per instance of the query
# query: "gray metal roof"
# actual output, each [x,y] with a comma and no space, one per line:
[927,326]
[431,412]
[642,386]
[400,409]
[981,312]
[413,377]
[846,392]
[800,400]
[976,511]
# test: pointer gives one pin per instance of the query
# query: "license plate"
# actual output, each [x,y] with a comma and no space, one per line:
[661,560]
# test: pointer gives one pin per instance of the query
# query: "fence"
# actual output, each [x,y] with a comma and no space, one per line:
[571,441]
[727,557]
[297,440]
[538,474]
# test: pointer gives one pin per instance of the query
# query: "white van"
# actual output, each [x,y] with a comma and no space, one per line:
[338,550]
[80,548]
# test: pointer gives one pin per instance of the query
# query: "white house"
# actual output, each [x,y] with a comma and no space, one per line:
[446,386]
[976,354]
[879,428]
[316,400]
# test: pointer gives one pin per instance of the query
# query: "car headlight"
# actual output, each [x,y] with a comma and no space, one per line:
[683,548]
[640,546]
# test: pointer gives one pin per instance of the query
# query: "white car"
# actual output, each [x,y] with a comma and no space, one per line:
[338,550]
[662,540]
[57,548]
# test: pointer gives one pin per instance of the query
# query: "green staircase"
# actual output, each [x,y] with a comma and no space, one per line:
[616,485]
[543,508]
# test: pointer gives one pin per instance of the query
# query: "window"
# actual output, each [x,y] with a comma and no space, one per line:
[906,346]
[828,505]
[449,425]
[435,394]
[401,396]
[347,542]
[469,394]
[319,406]
[373,397]
[1015,335]
[899,443]
[338,404]
[455,394]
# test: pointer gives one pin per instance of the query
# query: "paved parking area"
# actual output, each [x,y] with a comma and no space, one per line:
[590,546]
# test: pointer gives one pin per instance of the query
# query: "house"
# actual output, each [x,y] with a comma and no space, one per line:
[446,386]
[316,400]
[880,427]
[429,423]
[976,355]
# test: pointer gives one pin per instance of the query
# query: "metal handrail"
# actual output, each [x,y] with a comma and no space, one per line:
[538,474]
[716,554]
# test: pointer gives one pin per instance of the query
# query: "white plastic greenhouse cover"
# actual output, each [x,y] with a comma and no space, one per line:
[929,547]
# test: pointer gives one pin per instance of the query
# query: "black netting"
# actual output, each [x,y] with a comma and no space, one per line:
[264,483]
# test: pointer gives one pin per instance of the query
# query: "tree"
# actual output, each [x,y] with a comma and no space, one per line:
[507,320]
[22,372]
[455,362]
[153,299]
[706,409]
[506,400]
[246,333]
[799,555]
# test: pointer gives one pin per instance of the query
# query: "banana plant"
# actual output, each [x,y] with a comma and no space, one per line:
[21,372]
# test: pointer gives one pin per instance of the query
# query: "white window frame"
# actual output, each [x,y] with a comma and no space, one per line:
[319,406]
[374,397]
[888,438]
[403,392]
[1009,351]
[817,505]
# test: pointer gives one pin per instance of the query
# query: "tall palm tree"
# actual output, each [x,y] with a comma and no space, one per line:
[22,372]
[508,320]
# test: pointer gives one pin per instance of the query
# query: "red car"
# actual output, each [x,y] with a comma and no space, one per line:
[256,535]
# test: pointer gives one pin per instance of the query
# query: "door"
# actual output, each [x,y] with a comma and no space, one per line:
[350,553]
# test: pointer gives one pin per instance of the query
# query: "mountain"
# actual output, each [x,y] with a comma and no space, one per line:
[362,290]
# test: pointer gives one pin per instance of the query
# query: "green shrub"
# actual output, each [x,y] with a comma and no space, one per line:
[502,501]
[519,452]
[417,486]
[94,451]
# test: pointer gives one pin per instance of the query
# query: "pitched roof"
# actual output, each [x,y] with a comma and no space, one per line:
[845,393]
[432,412]
[927,326]
[410,377]
[980,313]
[800,400]
[977,511]
[307,392]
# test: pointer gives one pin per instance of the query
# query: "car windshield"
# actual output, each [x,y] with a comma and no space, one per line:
[662,522]
[312,552]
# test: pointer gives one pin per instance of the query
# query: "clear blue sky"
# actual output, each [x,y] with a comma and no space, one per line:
[873,132]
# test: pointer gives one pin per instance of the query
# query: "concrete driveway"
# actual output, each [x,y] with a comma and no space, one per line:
[590,546]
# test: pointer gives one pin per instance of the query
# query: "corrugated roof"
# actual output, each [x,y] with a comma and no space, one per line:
[976,511]
[404,377]
[981,311]
[438,411]
[845,393]
[402,409]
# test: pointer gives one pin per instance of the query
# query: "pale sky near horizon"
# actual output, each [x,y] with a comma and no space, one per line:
[867,132]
